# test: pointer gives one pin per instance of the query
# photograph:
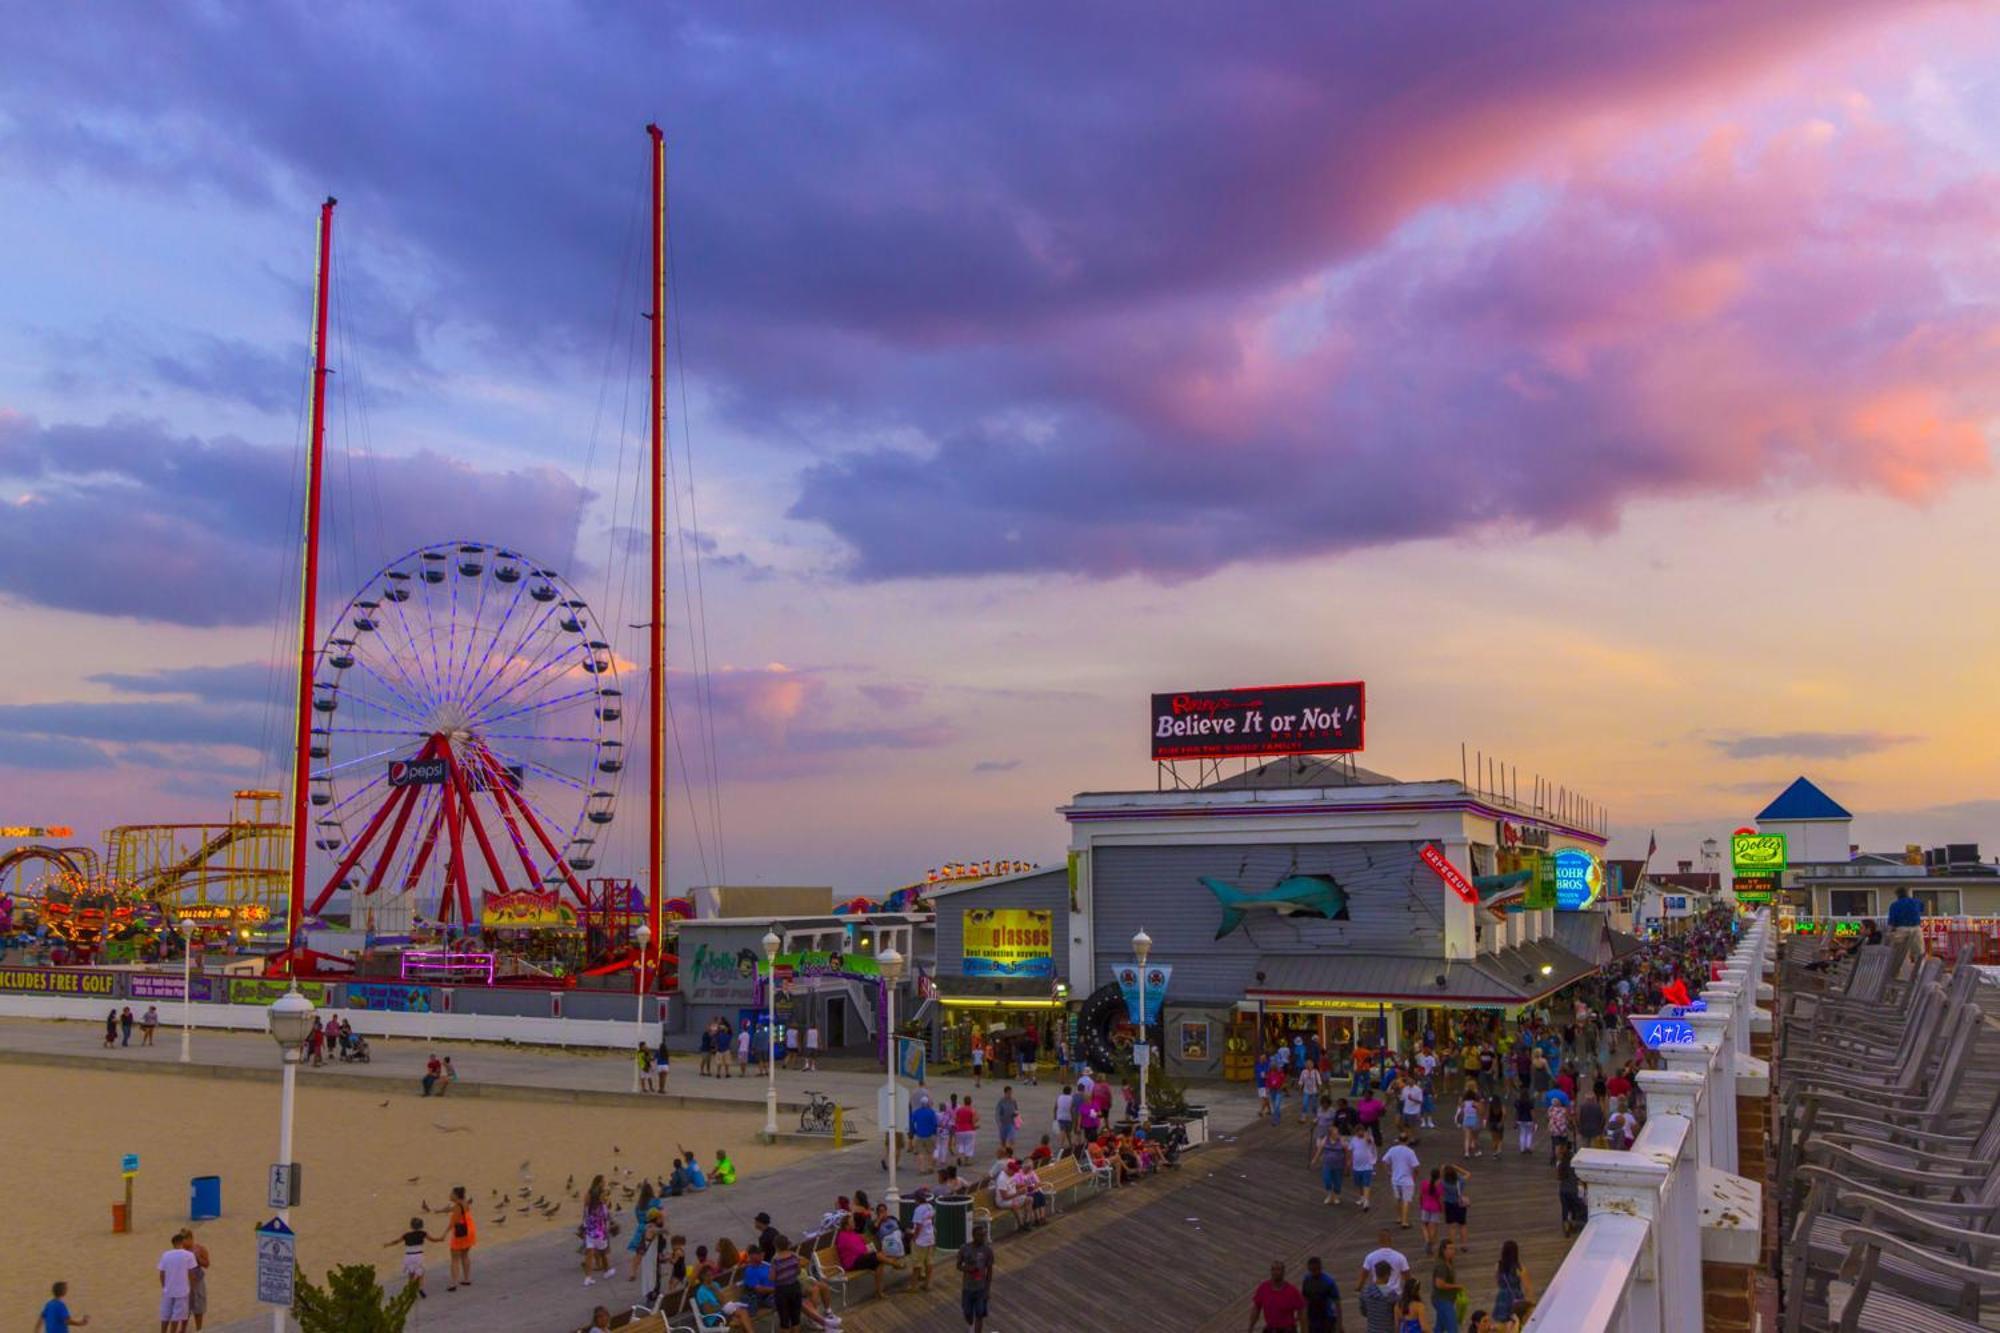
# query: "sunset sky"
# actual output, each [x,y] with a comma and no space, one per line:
[1612,387]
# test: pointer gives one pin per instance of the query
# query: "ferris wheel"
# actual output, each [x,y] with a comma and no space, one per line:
[463,739]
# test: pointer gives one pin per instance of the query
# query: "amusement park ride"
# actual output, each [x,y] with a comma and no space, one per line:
[458,739]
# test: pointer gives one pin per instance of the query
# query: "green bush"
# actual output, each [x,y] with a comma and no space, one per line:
[353,1302]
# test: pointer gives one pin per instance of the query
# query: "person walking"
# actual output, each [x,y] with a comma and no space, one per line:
[1322,1297]
[1309,1084]
[1378,1299]
[412,1242]
[643,1059]
[812,1047]
[743,1050]
[1274,1085]
[464,1234]
[1330,1155]
[707,1050]
[148,1021]
[1007,1118]
[1430,1207]
[596,1233]
[978,1062]
[1496,1121]
[1524,1119]
[1513,1291]
[1401,1159]
[1361,1160]
[111,1028]
[55,1314]
[1906,931]
[1412,1316]
[125,1026]
[975,1266]
[1277,1303]
[1453,1191]
[1470,1117]
[1448,1294]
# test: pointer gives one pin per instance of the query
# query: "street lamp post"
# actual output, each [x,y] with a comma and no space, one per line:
[1142,946]
[291,1019]
[186,929]
[771,945]
[644,934]
[891,964]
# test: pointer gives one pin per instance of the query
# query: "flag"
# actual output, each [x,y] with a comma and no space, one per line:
[1652,845]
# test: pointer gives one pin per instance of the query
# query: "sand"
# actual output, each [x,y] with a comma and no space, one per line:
[369,1160]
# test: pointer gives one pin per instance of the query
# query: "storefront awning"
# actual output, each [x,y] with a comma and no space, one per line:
[1508,979]
[952,989]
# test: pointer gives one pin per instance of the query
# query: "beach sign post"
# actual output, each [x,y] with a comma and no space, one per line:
[277,1261]
[121,1214]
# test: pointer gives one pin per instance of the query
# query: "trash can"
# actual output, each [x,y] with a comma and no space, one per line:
[954,1224]
[121,1219]
[906,1219]
[204,1198]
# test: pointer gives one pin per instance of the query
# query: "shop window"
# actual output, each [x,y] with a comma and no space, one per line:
[1938,902]
[1851,902]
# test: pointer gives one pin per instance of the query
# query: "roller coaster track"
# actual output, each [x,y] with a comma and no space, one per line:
[164,881]
[78,861]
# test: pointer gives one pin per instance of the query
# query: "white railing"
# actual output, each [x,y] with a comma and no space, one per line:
[1673,1200]
[601,1033]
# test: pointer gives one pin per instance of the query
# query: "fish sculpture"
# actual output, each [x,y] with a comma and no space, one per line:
[1296,895]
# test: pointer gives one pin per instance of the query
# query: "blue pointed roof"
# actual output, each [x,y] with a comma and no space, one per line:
[1802,800]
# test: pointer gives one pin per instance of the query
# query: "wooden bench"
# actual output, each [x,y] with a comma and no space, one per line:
[1063,1175]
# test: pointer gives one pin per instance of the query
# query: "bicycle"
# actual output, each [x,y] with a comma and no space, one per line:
[816,1117]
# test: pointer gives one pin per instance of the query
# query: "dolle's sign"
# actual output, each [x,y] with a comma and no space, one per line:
[1260,720]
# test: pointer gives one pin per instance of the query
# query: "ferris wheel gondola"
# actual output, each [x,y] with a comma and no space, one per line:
[464,710]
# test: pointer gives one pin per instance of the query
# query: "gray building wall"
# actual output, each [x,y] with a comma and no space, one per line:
[1392,902]
[1047,891]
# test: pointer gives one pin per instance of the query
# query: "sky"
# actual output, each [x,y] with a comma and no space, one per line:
[1610,387]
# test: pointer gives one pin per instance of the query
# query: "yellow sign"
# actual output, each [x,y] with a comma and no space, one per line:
[36,831]
[224,912]
[1009,942]
[1757,853]
[524,909]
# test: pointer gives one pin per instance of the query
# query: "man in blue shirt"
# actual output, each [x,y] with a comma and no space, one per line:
[1906,930]
[56,1317]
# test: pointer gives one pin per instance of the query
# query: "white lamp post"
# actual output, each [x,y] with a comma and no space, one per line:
[891,964]
[291,1019]
[186,929]
[644,934]
[1142,946]
[771,945]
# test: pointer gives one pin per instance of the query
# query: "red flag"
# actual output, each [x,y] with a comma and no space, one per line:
[1676,992]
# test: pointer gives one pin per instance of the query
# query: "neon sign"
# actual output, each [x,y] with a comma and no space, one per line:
[1579,879]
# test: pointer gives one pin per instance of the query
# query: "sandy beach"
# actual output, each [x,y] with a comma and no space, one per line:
[370,1160]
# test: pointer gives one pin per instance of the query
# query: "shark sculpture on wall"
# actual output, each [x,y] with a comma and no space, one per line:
[1296,895]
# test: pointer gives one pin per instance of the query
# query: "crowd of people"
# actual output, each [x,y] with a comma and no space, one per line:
[1568,1071]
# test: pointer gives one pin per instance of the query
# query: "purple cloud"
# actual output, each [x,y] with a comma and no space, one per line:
[127,519]
[1810,745]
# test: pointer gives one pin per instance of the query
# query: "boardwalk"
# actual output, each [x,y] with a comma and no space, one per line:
[1184,1251]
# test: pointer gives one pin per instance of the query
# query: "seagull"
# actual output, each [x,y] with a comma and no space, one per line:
[570,1184]
[414,1179]
[385,1103]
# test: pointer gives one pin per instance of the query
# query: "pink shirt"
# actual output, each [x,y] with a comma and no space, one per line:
[849,1247]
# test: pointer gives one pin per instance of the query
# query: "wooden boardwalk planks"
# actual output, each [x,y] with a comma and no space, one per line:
[1184,1251]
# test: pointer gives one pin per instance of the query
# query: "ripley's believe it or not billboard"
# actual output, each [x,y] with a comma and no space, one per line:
[1259,720]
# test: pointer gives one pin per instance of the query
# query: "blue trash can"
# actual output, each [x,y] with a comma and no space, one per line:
[204,1198]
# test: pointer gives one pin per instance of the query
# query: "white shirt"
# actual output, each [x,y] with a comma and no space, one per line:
[1427,1062]
[743,1044]
[1064,1105]
[1402,1160]
[812,1039]
[1398,1265]
[177,1264]
[1084,1085]
[1361,1152]
[925,1221]
[1413,1099]
[792,1038]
